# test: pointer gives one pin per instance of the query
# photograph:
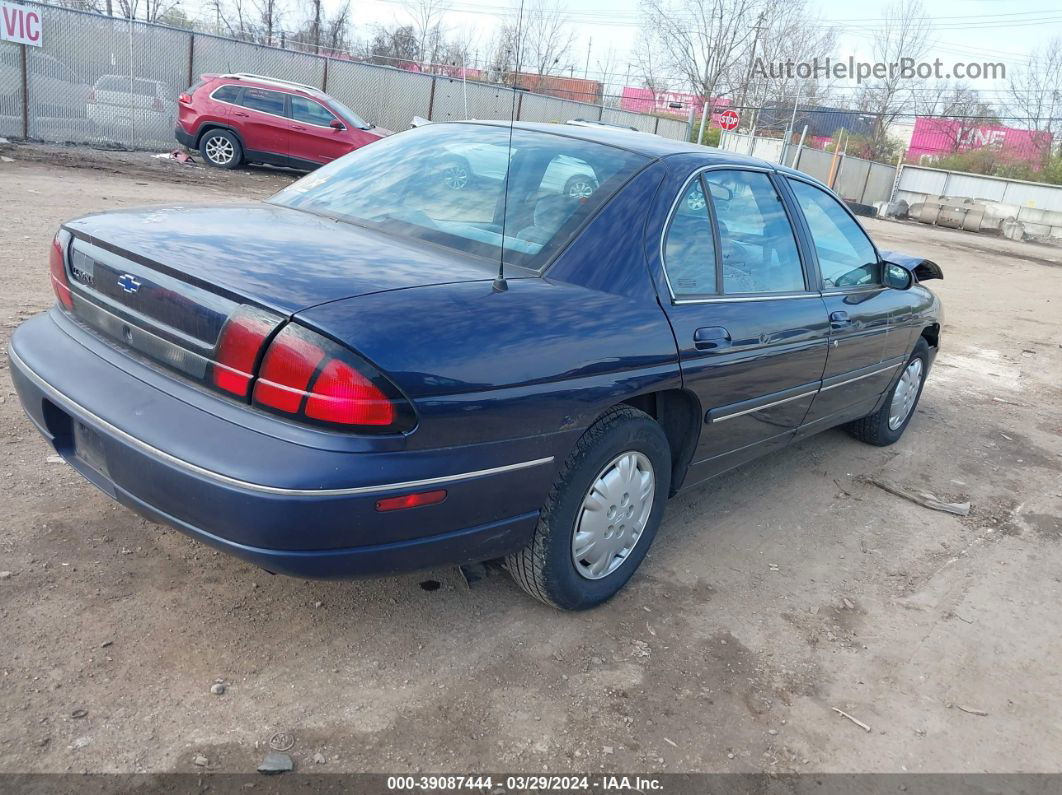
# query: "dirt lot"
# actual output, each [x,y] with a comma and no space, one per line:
[772,595]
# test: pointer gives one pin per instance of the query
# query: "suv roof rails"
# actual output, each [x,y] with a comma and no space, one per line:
[275,80]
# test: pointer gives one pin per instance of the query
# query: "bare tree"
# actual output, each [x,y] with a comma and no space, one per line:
[269,20]
[790,34]
[543,41]
[954,110]
[648,66]
[427,18]
[904,35]
[395,46]
[703,43]
[1036,94]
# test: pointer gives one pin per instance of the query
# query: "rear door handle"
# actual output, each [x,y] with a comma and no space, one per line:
[242,115]
[711,338]
[297,127]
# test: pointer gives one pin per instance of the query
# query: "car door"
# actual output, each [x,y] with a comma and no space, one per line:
[313,139]
[751,331]
[262,121]
[865,346]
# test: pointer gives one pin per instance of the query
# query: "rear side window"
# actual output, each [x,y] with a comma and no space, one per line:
[689,248]
[227,94]
[264,101]
[310,112]
[846,255]
[757,245]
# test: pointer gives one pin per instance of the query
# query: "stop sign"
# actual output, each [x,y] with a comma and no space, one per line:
[728,120]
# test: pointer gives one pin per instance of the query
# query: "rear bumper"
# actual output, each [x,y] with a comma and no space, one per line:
[210,468]
[184,138]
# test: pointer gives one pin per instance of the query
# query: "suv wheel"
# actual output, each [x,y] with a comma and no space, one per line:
[601,514]
[221,148]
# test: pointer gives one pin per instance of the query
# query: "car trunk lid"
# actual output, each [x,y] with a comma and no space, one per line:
[164,282]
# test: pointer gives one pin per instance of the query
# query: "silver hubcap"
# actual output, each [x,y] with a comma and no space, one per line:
[220,150]
[903,399]
[580,190]
[613,515]
[455,177]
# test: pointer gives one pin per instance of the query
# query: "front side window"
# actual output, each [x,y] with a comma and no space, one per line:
[689,248]
[310,112]
[445,183]
[846,256]
[757,245]
[264,101]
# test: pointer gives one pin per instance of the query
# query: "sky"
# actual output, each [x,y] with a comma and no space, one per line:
[1004,31]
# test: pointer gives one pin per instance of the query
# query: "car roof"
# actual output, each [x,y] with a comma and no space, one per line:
[637,142]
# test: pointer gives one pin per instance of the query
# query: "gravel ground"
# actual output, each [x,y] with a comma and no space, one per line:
[772,595]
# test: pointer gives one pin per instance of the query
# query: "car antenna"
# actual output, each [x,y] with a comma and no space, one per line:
[500,285]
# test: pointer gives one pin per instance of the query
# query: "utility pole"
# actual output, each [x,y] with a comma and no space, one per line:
[752,63]
[589,45]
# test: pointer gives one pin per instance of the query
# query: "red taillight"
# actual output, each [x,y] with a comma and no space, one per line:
[57,266]
[315,380]
[238,348]
[289,365]
[184,99]
[411,500]
[342,394]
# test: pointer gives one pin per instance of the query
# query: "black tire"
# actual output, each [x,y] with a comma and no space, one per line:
[212,149]
[546,568]
[874,428]
[455,173]
[577,180]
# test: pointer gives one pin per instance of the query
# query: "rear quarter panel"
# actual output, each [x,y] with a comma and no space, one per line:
[546,356]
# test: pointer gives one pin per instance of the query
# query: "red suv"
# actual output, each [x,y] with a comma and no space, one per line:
[241,118]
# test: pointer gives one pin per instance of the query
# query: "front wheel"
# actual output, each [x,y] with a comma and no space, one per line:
[601,514]
[886,425]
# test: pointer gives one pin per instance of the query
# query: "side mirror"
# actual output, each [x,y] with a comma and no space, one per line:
[336,124]
[897,277]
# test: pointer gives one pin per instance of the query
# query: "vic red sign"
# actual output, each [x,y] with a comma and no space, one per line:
[728,119]
[20,24]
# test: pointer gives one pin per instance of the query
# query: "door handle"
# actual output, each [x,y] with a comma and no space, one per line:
[242,115]
[711,338]
[839,318]
[297,127]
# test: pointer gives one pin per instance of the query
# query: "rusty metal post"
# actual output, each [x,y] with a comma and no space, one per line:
[431,98]
[191,59]
[324,80]
[25,91]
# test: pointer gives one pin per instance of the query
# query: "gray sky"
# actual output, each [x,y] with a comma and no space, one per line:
[964,30]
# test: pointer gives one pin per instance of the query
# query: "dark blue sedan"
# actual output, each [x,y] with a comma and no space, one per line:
[337,381]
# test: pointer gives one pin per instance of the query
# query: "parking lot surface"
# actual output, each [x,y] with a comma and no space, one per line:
[771,596]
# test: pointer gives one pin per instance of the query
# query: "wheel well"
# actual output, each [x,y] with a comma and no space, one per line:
[931,334]
[212,126]
[679,414]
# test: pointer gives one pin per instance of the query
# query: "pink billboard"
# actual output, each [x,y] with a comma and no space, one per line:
[642,100]
[934,138]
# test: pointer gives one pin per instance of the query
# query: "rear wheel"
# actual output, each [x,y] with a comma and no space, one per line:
[601,515]
[886,425]
[221,148]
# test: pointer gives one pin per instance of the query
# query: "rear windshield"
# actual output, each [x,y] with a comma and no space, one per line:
[445,183]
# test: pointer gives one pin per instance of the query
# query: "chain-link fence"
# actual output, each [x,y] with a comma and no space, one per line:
[106,80]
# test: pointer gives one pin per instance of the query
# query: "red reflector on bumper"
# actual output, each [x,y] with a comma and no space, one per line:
[411,500]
